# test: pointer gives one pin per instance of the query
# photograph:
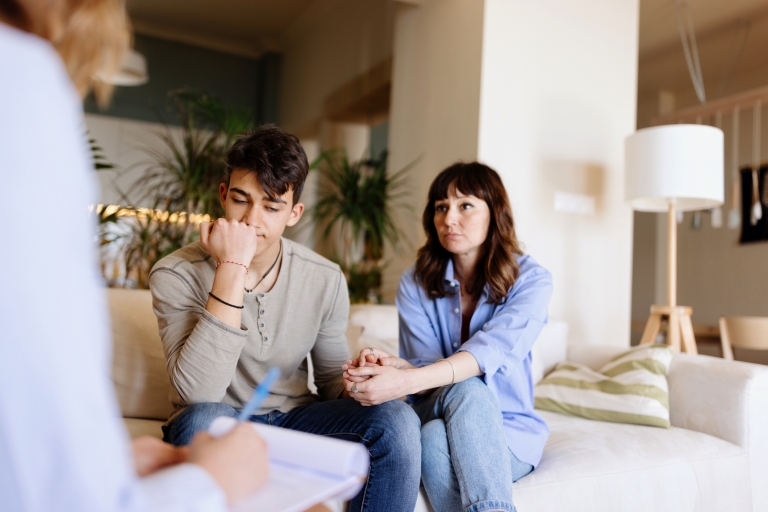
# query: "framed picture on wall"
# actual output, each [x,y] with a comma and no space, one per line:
[752,193]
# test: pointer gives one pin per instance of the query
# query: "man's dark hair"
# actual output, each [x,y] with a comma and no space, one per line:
[276,157]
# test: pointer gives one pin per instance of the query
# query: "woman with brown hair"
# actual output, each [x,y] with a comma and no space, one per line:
[63,446]
[470,311]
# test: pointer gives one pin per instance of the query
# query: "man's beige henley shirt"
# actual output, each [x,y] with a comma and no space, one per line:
[304,313]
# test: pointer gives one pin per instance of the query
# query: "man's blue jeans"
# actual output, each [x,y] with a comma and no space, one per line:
[390,431]
[466,465]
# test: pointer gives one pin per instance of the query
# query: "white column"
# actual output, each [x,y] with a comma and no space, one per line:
[435,103]
[554,94]
[559,90]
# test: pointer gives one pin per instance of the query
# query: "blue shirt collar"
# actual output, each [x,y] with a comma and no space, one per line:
[449,271]
[451,278]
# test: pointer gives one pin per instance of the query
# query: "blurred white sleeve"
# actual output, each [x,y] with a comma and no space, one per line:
[185,487]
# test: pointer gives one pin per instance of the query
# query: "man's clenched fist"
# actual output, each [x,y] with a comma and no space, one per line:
[229,240]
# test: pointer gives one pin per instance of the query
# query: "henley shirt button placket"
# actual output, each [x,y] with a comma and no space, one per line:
[262,325]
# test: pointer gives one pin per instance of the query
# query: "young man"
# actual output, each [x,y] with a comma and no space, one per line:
[243,300]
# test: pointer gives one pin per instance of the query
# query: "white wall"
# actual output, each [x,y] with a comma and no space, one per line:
[126,144]
[558,95]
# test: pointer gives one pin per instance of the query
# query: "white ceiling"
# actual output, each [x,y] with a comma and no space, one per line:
[258,25]
[253,25]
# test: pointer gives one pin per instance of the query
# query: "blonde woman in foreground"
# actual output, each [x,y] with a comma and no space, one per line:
[62,444]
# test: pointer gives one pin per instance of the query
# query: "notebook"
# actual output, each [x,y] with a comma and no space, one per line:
[304,469]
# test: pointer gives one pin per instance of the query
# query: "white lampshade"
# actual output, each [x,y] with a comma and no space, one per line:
[680,163]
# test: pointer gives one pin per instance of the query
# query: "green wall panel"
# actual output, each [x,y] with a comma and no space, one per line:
[238,81]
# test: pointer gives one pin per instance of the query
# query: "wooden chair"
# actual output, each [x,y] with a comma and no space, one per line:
[743,331]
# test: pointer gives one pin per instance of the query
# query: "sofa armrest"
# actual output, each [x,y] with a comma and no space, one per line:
[725,399]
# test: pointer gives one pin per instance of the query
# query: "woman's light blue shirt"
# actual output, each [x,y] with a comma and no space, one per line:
[501,337]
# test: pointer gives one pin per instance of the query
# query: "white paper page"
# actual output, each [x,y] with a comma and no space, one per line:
[308,451]
[304,469]
[292,490]
[319,453]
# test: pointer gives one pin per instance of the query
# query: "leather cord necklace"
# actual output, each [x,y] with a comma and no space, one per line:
[250,291]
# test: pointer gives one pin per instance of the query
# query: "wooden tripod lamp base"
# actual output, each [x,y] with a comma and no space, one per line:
[678,318]
[679,327]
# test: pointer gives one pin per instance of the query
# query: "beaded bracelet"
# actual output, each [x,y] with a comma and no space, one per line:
[234,263]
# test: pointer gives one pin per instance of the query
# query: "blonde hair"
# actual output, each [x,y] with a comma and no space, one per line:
[91,36]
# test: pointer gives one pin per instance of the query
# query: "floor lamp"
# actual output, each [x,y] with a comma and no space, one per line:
[674,168]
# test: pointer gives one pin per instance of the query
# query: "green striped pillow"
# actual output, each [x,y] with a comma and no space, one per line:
[631,388]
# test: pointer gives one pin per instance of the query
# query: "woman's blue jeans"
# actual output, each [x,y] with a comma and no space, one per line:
[466,465]
[389,431]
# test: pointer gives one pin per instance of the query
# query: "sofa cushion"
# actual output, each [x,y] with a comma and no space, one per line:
[550,348]
[138,362]
[631,388]
[593,465]
[379,321]
[380,327]
[140,427]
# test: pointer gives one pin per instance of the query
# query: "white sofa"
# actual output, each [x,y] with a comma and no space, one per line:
[715,458]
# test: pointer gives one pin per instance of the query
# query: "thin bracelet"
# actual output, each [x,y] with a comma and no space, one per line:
[453,370]
[227,303]
[234,263]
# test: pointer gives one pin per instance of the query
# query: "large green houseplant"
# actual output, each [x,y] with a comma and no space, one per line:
[356,205]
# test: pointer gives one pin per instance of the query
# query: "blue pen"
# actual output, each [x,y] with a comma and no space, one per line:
[259,394]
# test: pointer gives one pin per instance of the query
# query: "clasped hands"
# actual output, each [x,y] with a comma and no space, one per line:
[376,377]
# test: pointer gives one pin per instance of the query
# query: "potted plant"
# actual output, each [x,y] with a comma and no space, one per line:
[355,206]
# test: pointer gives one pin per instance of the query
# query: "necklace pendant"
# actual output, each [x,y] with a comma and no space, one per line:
[248,291]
